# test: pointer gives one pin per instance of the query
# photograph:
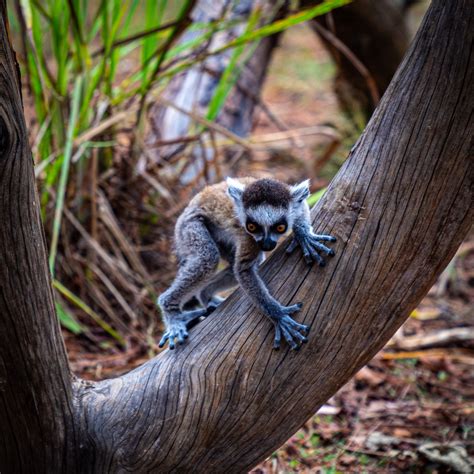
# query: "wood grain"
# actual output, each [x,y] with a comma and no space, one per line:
[35,387]
[400,206]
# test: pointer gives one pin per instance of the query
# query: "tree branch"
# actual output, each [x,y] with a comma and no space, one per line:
[400,206]
[367,40]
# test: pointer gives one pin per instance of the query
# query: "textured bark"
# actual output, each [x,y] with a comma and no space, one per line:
[400,206]
[193,89]
[35,388]
[376,32]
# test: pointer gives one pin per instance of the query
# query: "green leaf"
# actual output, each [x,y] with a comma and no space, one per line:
[67,320]
[315,197]
[231,73]
[289,21]
[264,31]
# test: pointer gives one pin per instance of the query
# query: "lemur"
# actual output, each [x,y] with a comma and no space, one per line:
[237,220]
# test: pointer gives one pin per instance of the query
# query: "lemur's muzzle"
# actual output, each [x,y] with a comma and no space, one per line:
[268,244]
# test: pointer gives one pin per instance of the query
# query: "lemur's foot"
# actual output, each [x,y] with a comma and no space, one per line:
[310,246]
[213,303]
[178,327]
[293,332]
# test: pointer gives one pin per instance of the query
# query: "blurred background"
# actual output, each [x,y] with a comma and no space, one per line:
[132,106]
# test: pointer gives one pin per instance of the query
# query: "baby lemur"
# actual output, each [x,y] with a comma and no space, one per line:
[237,220]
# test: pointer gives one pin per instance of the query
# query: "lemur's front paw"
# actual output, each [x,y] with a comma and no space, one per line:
[178,327]
[175,331]
[293,332]
[310,245]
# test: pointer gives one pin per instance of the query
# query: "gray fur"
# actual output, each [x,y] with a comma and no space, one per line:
[300,192]
[304,236]
[221,281]
[200,242]
[253,285]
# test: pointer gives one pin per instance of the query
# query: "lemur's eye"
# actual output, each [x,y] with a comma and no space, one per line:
[251,227]
[281,228]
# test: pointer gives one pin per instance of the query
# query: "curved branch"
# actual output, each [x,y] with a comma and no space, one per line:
[400,206]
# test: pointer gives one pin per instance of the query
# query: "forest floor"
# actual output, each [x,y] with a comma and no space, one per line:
[411,409]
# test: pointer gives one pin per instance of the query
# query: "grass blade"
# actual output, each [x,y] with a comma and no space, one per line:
[76,97]
[67,320]
[89,311]
[231,73]
[285,23]
[315,197]
[262,32]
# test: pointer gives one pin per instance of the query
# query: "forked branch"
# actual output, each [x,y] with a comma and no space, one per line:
[400,206]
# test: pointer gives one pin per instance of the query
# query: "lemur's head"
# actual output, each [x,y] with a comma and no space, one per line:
[266,207]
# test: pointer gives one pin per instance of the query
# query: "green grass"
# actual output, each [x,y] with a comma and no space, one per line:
[64,162]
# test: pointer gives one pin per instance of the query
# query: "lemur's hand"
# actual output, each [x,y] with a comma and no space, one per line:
[176,330]
[293,332]
[177,327]
[310,245]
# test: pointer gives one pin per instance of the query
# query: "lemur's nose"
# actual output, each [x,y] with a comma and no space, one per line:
[268,244]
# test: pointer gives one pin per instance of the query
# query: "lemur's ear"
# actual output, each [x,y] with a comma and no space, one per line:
[235,189]
[299,192]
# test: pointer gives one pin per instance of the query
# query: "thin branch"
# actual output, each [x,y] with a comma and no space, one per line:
[137,36]
[255,98]
[173,141]
[343,49]
[212,125]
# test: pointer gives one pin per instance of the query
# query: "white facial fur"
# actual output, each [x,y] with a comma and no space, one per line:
[266,215]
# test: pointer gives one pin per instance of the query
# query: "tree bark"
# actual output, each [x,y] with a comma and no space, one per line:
[35,382]
[376,34]
[193,89]
[400,206]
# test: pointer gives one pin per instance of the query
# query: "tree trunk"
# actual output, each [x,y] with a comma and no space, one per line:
[193,89]
[400,206]
[376,34]
[35,382]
